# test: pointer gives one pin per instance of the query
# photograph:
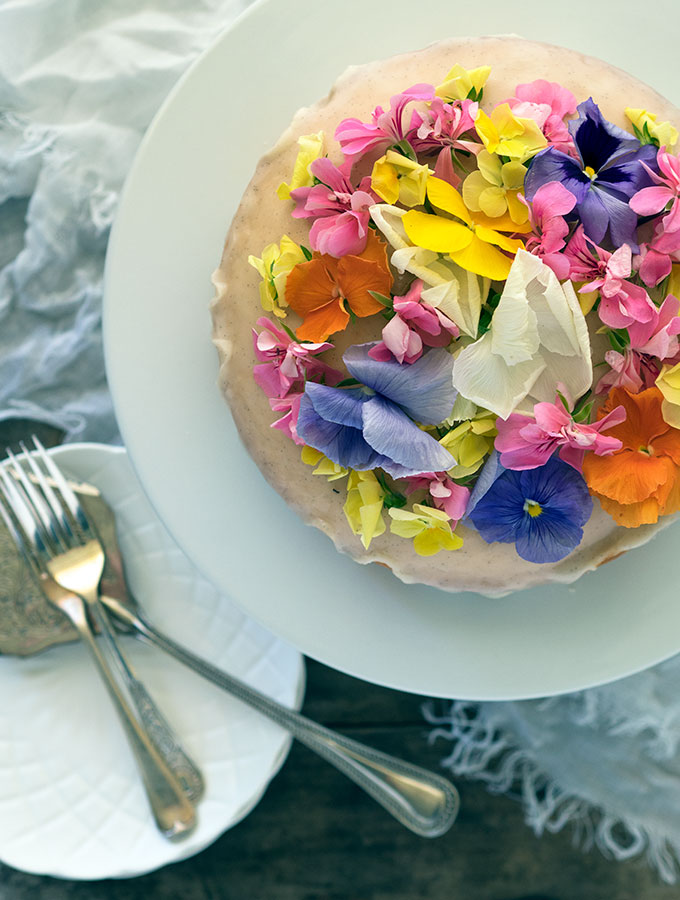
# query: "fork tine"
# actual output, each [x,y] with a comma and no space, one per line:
[20,522]
[41,514]
[66,494]
[59,520]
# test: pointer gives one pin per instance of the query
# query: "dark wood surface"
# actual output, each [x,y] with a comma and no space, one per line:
[316,836]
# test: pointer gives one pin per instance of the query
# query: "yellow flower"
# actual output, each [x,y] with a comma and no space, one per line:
[470,443]
[668,382]
[663,132]
[476,245]
[673,286]
[430,529]
[396,177]
[324,466]
[274,267]
[311,148]
[460,83]
[364,506]
[493,187]
[506,134]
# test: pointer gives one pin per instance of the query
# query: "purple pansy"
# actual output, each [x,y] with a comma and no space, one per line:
[373,426]
[541,510]
[607,174]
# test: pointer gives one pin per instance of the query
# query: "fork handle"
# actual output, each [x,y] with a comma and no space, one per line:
[174,814]
[421,800]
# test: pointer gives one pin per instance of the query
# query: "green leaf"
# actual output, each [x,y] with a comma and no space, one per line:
[348,382]
[391,498]
[381,298]
[307,253]
[291,334]
[406,150]
[583,414]
[618,338]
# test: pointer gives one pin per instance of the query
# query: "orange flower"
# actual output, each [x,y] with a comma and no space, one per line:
[640,482]
[320,290]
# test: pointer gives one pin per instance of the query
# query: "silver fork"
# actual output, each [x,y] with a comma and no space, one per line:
[64,557]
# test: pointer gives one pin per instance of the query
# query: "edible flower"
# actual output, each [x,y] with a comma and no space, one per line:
[375,425]
[290,407]
[493,188]
[658,255]
[470,442]
[542,511]
[475,243]
[274,266]
[445,494]
[395,177]
[666,188]
[364,506]
[457,293]
[526,442]
[547,103]
[442,126]
[283,360]
[460,83]
[605,176]
[311,147]
[340,212]
[552,201]
[389,127]
[640,482]
[430,529]
[414,325]
[324,466]
[668,383]
[645,125]
[537,337]
[506,134]
[622,302]
[322,289]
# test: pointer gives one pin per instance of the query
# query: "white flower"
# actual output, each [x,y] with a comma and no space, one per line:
[538,337]
[459,294]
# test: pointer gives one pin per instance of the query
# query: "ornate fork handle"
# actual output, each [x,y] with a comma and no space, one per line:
[422,801]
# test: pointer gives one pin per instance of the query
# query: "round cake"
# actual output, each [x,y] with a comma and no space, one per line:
[446,318]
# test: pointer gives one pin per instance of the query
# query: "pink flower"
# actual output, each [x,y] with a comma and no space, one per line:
[445,170]
[442,125]
[415,324]
[527,442]
[340,211]
[445,493]
[658,255]
[650,342]
[385,128]
[547,103]
[289,405]
[621,302]
[652,200]
[284,361]
[552,201]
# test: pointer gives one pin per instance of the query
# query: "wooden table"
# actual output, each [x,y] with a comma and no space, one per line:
[316,836]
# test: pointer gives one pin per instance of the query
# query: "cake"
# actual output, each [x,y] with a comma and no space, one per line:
[487,395]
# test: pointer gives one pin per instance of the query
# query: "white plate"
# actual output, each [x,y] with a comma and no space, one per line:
[180,196]
[71,801]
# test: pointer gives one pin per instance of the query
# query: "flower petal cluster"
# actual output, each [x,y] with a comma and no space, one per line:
[476,242]
[460,83]
[542,511]
[375,425]
[606,174]
[395,177]
[443,126]
[274,267]
[537,338]
[547,103]
[494,186]
[444,493]
[340,212]
[526,442]
[507,134]
[283,361]
[415,324]
[430,529]
[551,203]
[321,290]
[643,122]
[358,138]
[364,506]
[470,442]
[311,147]
[640,482]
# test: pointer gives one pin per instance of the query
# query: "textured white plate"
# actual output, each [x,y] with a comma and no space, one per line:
[180,196]
[71,802]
